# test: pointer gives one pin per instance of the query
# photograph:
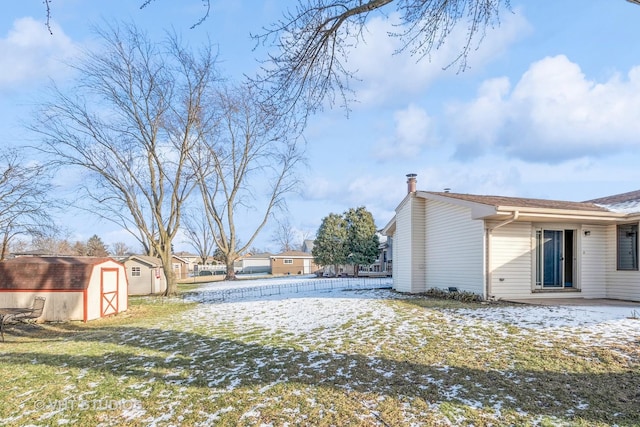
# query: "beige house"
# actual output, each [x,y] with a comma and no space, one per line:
[516,248]
[292,262]
[145,275]
[181,267]
[75,288]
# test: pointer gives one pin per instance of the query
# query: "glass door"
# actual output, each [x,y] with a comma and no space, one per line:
[555,258]
[552,255]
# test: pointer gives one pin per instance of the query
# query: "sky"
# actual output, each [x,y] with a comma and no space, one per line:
[548,107]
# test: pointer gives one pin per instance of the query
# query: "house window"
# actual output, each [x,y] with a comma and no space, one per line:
[288,261]
[135,271]
[628,247]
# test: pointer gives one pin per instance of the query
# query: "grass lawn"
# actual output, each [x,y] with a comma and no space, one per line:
[360,358]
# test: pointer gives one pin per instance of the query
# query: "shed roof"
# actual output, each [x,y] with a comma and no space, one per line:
[145,259]
[48,273]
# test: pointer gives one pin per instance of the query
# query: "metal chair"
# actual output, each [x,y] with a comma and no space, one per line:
[34,312]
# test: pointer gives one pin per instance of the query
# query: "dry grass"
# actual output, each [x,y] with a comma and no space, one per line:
[415,365]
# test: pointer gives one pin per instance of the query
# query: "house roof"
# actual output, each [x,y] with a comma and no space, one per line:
[292,254]
[48,273]
[598,211]
[622,203]
[498,201]
[260,255]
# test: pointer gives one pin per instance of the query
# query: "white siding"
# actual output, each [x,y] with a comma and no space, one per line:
[623,285]
[513,261]
[59,306]
[510,267]
[454,248]
[592,262]
[408,250]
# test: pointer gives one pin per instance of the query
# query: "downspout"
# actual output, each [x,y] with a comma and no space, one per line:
[488,272]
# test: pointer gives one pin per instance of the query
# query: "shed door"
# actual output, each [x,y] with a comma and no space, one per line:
[108,291]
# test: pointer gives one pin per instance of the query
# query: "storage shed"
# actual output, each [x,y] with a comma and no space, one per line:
[145,275]
[76,288]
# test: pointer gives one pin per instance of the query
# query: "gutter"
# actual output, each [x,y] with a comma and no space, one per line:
[488,274]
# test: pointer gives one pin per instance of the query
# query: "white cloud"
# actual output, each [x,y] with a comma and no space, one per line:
[386,73]
[30,53]
[552,114]
[413,131]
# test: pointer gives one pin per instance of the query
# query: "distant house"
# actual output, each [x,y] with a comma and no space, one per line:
[75,288]
[145,275]
[292,262]
[254,263]
[180,267]
[191,260]
[383,265]
[516,248]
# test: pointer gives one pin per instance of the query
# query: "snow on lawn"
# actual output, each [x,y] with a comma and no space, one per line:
[297,309]
[599,324]
[330,323]
[300,313]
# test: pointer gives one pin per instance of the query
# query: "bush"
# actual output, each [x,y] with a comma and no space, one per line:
[463,296]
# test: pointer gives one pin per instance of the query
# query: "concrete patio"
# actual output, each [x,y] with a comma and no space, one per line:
[585,302]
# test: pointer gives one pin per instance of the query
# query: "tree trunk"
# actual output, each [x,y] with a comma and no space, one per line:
[167,267]
[231,272]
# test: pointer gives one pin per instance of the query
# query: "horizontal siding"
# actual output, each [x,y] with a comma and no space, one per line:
[454,248]
[623,285]
[592,264]
[511,261]
[402,249]
[418,258]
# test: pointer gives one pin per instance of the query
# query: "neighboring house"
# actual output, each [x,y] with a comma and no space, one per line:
[145,275]
[180,267]
[254,263]
[383,264]
[191,259]
[292,262]
[516,248]
[75,288]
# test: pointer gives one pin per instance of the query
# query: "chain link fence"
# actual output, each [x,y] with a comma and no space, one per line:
[213,295]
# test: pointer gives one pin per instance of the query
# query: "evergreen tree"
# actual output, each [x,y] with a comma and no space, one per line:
[330,245]
[362,241]
[96,247]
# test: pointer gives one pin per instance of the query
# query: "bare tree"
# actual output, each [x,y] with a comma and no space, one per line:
[313,41]
[25,199]
[248,162]
[53,241]
[130,121]
[120,249]
[199,234]
[284,235]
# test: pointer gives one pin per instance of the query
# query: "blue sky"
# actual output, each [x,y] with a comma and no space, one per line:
[548,108]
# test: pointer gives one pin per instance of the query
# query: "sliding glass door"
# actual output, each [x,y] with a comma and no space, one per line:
[555,258]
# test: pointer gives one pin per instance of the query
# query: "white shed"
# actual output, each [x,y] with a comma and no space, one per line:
[75,288]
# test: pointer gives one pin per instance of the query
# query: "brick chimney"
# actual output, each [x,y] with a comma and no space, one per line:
[411,182]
